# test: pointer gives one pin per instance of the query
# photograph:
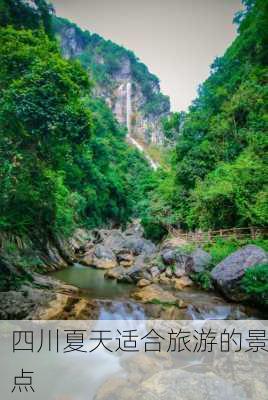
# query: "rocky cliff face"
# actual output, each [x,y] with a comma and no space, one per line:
[126,85]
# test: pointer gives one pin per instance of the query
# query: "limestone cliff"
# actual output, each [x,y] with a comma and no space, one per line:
[130,90]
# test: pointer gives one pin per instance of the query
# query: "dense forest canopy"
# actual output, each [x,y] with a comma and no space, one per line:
[63,157]
[27,14]
[219,169]
[64,161]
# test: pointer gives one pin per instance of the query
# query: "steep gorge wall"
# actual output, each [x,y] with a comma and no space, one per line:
[126,85]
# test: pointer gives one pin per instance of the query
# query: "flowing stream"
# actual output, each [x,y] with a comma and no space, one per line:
[114,300]
[112,297]
[115,303]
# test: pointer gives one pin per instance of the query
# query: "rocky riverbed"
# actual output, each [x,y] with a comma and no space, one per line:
[117,274]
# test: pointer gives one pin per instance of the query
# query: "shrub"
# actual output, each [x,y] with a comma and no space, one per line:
[222,248]
[203,279]
[255,284]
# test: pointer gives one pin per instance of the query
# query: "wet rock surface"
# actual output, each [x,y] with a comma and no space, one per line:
[229,272]
[162,275]
[159,377]
[114,248]
[46,299]
[22,304]
[191,386]
[152,293]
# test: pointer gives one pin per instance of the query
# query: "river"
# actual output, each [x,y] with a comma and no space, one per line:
[115,303]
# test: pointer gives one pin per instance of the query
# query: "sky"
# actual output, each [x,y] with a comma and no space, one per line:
[177,39]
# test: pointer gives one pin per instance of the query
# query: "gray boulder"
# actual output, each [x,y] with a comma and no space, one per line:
[103,257]
[169,256]
[229,272]
[115,273]
[154,271]
[21,304]
[177,384]
[169,272]
[177,260]
[179,270]
[103,252]
[201,260]
[137,272]
[139,246]
[115,241]
[135,228]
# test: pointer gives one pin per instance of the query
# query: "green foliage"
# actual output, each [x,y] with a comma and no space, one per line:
[232,192]
[164,304]
[159,214]
[156,104]
[222,248]
[21,14]
[44,121]
[220,168]
[172,125]
[153,230]
[104,59]
[255,283]
[203,279]
[63,158]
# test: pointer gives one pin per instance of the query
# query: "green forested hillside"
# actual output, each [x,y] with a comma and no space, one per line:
[64,161]
[104,59]
[63,158]
[219,169]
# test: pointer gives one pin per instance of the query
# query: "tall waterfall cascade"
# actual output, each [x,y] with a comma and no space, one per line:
[153,164]
[128,107]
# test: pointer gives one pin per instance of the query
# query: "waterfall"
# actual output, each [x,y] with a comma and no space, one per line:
[153,164]
[128,107]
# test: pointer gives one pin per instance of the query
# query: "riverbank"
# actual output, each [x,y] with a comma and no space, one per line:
[114,274]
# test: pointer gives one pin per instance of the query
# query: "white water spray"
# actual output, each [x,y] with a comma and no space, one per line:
[128,107]
[153,164]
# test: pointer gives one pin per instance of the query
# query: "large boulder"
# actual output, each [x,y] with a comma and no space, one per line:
[182,282]
[153,293]
[125,258]
[137,272]
[229,272]
[201,260]
[143,283]
[67,306]
[135,228]
[20,304]
[169,256]
[80,240]
[100,235]
[174,384]
[176,257]
[114,241]
[87,258]
[177,260]
[103,257]
[115,273]
[154,271]
[138,245]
